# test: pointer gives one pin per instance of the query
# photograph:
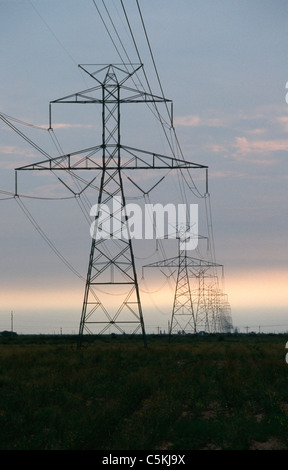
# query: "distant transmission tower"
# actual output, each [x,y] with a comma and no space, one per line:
[111,268]
[192,308]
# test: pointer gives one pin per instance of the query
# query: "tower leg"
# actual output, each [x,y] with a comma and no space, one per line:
[111,299]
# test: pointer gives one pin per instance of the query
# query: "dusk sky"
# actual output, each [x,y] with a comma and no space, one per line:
[223,63]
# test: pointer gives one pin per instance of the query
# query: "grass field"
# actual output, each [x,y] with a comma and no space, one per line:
[211,392]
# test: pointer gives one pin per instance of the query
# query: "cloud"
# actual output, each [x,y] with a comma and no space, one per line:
[217,148]
[283,120]
[256,131]
[64,125]
[196,121]
[226,174]
[256,148]
[13,152]
[259,122]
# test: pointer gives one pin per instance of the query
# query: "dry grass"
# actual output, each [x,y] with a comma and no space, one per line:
[195,393]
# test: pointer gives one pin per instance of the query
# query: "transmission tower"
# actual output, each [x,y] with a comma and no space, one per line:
[226,325]
[192,309]
[111,268]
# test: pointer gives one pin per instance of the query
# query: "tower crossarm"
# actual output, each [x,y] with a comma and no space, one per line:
[190,263]
[113,77]
[166,263]
[90,96]
[195,262]
[131,159]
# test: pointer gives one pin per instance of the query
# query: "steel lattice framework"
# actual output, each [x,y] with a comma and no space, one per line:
[198,308]
[111,262]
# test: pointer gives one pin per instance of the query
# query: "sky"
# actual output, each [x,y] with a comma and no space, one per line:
[223,63]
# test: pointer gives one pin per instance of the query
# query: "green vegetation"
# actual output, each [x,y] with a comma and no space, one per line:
[210,392]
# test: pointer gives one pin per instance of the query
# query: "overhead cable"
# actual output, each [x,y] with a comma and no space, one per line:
[46,239]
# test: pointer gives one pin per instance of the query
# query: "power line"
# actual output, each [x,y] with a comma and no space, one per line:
[182,190]
[152,56]
[6,118]
[193,189]
[51,31]
[124,49]
[46,239]
[39,149]
[146,78]
[162,91]
[139,58]
[11,118]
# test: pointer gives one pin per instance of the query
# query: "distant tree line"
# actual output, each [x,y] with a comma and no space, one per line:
[8,334]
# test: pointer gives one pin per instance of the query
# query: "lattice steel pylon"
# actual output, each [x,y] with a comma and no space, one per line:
[111,270]
[183,312]
[111,258]
[212,309]
[191,309]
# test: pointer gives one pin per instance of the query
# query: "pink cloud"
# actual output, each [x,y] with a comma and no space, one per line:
[16,155]
[217,148]
[258,147]
[284,121]
[256,131]
[196,121]
[187,121]
[64,125]
[225,174]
